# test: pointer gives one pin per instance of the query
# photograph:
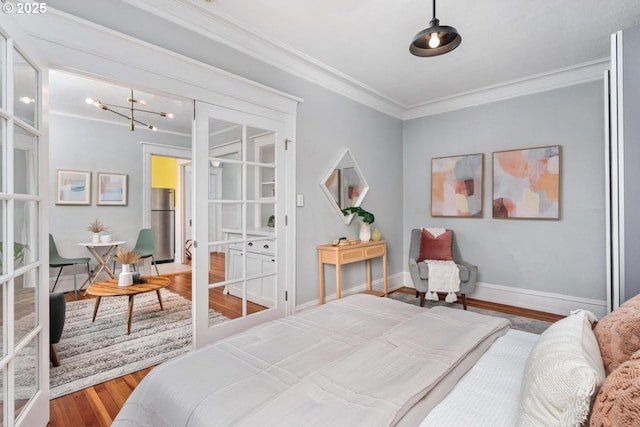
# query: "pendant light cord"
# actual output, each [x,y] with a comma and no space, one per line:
[434,9]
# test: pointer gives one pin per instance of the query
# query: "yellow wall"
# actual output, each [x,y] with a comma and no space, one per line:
[164,172]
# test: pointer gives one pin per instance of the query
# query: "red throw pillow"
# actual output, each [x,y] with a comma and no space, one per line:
[435,248]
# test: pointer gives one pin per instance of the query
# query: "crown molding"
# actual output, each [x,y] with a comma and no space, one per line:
[581,73]
[226,30]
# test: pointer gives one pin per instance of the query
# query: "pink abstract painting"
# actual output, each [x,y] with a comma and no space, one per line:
[456,186]
[526,183]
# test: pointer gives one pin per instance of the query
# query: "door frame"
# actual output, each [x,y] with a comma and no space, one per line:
[98,52]
[150,149]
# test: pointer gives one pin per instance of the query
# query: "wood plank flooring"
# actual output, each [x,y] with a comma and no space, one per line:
[97,406]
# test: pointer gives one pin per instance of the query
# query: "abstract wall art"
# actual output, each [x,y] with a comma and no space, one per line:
[112,189]
[73,187]
[456,186]
[526,183]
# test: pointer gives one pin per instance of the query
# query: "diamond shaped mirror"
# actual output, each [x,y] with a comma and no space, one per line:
[344,184]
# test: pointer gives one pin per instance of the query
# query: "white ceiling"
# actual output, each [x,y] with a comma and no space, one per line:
[365,43]
[502,40]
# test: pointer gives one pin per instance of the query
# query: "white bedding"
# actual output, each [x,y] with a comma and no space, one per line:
[483,398]
[361,360]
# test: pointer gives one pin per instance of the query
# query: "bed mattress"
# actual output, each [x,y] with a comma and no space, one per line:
[361,360]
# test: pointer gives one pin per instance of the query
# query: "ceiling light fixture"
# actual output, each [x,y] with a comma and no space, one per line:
[132,120]
[435,40]
[26,100]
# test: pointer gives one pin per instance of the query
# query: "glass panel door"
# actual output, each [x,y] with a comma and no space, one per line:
[239,262]
[23,280]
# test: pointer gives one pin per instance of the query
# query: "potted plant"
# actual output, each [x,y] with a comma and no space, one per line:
[367,220]
[19,251]
[126,258]
[96,227]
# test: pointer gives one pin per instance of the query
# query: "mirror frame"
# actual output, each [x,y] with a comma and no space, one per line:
[365,186]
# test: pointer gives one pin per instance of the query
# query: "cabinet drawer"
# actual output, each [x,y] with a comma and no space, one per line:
[266,247]
[351,255]
[374,251]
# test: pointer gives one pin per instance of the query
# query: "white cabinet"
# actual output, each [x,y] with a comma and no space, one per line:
[260,270]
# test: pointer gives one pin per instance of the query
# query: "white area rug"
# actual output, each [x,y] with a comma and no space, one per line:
[92,353]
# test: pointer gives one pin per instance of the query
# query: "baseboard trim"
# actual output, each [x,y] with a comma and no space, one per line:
[395,281]
[546,302]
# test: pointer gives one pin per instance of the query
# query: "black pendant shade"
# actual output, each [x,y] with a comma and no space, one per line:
[435,40]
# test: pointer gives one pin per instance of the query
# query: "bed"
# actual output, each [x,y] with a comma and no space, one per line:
[369,361]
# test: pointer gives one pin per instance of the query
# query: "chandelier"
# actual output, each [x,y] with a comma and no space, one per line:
[128,111]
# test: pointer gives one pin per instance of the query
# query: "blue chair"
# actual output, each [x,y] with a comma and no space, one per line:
[55,261]
[146,246]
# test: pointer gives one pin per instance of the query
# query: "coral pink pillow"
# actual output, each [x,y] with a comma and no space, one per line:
[618,334]
[617,403]
[435,248]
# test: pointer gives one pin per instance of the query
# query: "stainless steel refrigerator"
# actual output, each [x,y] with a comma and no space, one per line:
[163,223]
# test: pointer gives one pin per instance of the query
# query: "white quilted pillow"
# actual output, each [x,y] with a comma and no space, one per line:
[563,372]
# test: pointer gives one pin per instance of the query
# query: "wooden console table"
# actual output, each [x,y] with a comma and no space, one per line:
[346,254]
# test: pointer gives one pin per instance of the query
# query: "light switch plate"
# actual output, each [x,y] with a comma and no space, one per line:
[299,200]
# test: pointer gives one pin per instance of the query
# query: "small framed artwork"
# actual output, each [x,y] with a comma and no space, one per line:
[526,183]
[73,187]
[456,186]
[112,189]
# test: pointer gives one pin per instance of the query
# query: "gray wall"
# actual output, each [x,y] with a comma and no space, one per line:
[327,123]
[87,145]
[563,257]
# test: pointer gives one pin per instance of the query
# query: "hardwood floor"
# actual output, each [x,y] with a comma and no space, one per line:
[97,406]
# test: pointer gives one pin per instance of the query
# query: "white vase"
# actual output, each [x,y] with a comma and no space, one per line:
[365,232]
[125,278]
[96,238]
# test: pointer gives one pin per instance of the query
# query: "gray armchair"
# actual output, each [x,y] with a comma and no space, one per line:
[420,271]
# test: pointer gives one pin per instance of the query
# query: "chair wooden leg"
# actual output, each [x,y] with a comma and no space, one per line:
[422,295]
[464,301]
[53,354]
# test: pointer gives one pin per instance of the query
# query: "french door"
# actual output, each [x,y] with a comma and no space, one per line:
[240,225]
[24,365]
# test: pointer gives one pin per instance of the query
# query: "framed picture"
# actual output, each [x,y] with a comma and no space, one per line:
[526,183]
[73,187]
[351,187]
[456,186]
[112,189]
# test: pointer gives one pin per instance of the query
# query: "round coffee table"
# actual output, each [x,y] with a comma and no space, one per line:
[110,288]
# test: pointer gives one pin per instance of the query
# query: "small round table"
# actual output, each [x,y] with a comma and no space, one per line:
[110,288]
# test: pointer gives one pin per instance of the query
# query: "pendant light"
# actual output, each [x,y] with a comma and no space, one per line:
[435,40]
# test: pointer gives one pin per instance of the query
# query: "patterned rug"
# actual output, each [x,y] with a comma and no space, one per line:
[94,352]
[517,322]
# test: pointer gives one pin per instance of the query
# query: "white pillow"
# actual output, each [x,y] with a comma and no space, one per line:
[563,372]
